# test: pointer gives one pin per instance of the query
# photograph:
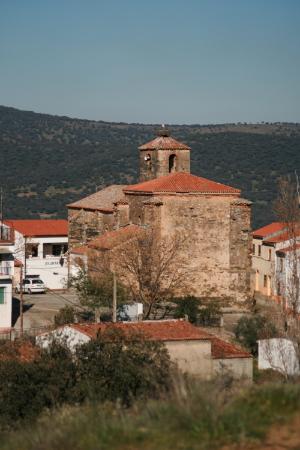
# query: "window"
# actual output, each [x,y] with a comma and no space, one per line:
[278,288]
[54,249]
[1,295]
[270,254]
[281,264]
[32,250]
[172,163]
[259,250]
[265,280]
[253,249]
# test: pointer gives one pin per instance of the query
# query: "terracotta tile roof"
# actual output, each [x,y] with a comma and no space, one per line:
[82,250]
[102,200]
[267,230]
[168,330]
[112,239]
[280,238]
[289,249]
[40,227]
[164,143]
[182,183]
[21,351]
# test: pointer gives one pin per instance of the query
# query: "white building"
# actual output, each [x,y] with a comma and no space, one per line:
[42,245]
[6,275]
[279,354]
[271,259]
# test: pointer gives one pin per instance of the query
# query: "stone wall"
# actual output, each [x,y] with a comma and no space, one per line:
[85,225]
[158,164]
[215,246]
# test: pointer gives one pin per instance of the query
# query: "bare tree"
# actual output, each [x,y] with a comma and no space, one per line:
[153,268]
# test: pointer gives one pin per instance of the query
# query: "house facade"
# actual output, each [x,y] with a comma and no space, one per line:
[276,261]
[193,350]
[211,218]
[42,247]
[6,275]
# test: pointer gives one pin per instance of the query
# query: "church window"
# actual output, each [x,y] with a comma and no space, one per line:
[172,163]
[148,162]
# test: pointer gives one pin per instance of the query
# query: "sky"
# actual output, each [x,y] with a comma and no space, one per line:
[167,61]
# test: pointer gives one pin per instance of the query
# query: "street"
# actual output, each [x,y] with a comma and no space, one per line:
[39,309]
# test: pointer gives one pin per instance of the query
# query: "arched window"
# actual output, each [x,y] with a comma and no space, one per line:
[172,163]
[148,162]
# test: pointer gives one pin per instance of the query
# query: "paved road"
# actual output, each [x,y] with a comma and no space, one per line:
[40,309]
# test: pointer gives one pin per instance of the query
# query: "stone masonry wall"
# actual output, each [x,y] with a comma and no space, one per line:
[85,225]
[158,165]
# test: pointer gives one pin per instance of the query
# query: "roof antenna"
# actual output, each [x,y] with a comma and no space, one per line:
[297,187]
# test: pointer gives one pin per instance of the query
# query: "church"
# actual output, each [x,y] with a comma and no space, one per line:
[212,219]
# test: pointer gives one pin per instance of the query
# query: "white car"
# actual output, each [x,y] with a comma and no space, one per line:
[32,285]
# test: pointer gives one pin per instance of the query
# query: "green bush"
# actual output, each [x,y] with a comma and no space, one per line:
[249,329]
[209,315]
[187,306]
[119,366]
[64,316]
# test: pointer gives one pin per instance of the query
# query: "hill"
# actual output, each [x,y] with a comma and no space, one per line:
[48,161]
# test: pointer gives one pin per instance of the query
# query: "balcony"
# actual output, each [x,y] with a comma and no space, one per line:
[6,235]
[6,270]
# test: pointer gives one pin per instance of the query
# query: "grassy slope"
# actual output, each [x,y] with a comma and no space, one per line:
[48,161]
[206,418]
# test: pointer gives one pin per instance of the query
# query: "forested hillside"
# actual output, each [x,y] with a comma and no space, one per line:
[48,161]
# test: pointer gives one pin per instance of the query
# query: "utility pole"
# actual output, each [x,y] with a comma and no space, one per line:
[114,313]
[21,301]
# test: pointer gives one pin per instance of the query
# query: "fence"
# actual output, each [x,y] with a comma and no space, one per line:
[15,333]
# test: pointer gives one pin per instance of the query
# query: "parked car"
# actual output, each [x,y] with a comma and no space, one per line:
[32,285]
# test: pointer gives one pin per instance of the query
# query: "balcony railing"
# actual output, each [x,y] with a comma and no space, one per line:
[5,269]
[6,234]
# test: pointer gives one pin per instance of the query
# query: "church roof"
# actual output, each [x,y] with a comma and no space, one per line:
[182,183]
[164,143]
[102,200]
[112,239]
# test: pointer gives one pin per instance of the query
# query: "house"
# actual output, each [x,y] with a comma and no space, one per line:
[211,218]
[194,350]
[42,246]
[275,255]
[6,275]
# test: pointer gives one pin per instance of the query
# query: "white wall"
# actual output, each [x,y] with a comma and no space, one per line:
[278,354]
[49,269]
[66,335]
[6,308]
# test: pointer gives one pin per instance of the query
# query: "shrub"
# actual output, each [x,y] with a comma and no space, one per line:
[187,306]
[64,316]
[210,314]
[119,366]
[249,329]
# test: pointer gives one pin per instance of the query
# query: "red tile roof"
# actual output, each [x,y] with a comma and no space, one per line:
[168,330]
[183,183]
[112,239]
[164,143]
[80,250]
[272,228]
[285,236]
[42,227]
[289,249]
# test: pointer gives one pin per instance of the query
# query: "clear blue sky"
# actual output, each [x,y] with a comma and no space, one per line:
[192,61]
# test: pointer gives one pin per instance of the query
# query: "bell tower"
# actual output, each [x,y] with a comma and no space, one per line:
[163,155]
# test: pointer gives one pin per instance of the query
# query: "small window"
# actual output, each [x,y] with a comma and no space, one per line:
[270,254]
[259,250]
[253,249]
[2,296]
[281,264]
[265,280]
[278,288]
[172,163]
